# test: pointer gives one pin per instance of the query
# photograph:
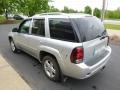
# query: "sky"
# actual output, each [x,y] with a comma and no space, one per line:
[80,4]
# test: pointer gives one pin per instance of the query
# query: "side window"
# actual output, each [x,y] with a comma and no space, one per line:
[38,27]
[25,26]
[61,29]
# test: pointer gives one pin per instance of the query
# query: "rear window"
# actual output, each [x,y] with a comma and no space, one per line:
[89,28]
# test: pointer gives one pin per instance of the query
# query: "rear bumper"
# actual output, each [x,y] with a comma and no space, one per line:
[82,71]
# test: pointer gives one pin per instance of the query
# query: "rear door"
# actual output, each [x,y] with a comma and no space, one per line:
[37,36]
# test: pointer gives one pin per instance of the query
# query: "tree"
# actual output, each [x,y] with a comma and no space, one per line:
[30,7]
[53,9]
[88,10]
[27,7]
[97,12]
[66,9]
[113,14]
[69,10]
[5,7]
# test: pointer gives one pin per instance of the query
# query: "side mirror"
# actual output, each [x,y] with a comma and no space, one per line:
[15,30]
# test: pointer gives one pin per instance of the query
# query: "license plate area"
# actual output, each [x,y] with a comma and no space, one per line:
[99,50]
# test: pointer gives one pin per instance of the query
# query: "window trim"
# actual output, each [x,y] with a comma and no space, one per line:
[74,31]
[23,23]
[32,24]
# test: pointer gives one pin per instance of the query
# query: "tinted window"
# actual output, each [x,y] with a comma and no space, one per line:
[89,27]
[38,27]
[24,27]
[61,29]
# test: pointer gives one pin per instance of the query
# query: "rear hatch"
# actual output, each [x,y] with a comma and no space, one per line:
[94,38]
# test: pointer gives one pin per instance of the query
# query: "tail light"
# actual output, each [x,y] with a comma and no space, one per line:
[77,55]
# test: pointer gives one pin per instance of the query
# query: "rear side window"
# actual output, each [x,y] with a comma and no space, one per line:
[61,29]
[38,27]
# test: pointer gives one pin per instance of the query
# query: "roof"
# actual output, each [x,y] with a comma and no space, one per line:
[61,15]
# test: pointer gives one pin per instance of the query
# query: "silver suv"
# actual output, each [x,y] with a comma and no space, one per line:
[74,45]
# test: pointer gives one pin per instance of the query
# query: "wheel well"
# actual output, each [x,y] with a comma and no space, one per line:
[44,53]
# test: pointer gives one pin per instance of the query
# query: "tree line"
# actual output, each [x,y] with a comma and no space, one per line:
[31,7]
[109,14]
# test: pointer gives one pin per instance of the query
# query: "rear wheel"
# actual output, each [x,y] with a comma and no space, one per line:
[51,68]
[13,47]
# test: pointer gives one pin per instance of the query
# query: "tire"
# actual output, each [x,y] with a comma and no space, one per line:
[13,47]
[51,68]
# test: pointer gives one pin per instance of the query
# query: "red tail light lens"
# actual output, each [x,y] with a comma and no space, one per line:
[77,55]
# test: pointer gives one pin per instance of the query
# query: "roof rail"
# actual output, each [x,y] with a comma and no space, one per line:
[52,13]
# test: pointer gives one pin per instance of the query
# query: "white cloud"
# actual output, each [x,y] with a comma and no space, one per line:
[80,4]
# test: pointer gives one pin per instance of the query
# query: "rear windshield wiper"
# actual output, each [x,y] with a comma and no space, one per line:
[101,36]
[103,33]
[98,36]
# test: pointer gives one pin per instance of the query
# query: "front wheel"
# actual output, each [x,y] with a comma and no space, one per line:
[13,47]
[51,68]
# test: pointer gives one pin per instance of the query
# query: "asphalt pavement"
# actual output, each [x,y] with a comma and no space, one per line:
[31,71]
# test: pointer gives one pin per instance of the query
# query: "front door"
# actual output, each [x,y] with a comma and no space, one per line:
[21,37]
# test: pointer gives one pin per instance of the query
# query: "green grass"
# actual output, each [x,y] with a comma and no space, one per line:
[112,26]
[2,19]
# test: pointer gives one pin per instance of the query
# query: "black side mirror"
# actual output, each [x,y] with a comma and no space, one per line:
[15,30]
